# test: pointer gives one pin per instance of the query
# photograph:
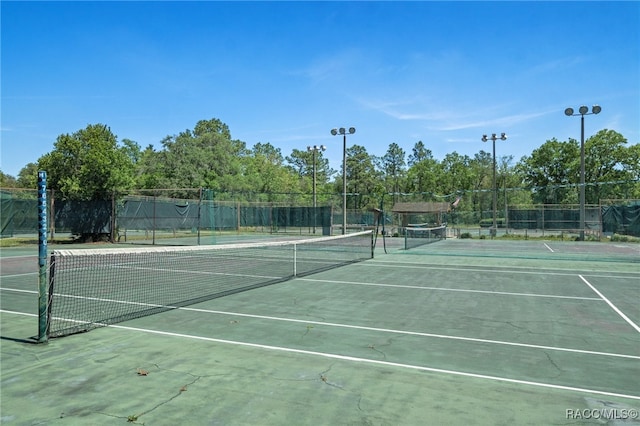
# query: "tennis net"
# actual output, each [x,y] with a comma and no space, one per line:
[418,236]
[93,288]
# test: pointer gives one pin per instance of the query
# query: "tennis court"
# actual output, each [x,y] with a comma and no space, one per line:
[457,332]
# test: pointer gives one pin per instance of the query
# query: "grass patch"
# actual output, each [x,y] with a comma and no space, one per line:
[17,242]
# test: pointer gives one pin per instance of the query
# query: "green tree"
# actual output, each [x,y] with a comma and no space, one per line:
[88,165]
[610,167]
[393,167]
[422,175]
[265,171]
[480,175]
[205,157]
[551,172]
[455,174]
[631,166]
[301,163]
[364,182]
[419,153]
[213,126]
[510,181]
[7,181]
[149,169]
[28,176]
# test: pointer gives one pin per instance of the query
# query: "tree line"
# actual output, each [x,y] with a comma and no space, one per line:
[92,164]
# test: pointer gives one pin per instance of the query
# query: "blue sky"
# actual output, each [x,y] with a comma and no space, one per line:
[287,73]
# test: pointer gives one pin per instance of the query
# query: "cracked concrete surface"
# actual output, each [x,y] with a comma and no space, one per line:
[114,376]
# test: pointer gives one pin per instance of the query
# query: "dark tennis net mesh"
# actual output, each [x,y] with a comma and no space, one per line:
[418,236]
[93,288]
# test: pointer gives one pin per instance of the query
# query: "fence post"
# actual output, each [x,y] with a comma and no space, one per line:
[113,217]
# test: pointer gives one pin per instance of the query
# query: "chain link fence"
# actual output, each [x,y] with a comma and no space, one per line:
[201,214]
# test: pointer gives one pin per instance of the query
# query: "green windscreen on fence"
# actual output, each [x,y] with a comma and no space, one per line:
[553,217]
[19,215]
[622,219]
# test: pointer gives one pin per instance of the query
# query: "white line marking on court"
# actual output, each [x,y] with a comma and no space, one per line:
[365,360]
[493,269]
[26,256]
[412,333]
[550,249]
[17,313]
[618,311]
[386,330]
[18,290]
[378,362]
[355,327]
[18,275]
[504,293]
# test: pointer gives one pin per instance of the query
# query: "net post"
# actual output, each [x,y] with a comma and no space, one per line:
[373,247]
[406,236]
[200,196]
[295,260]
[42,257]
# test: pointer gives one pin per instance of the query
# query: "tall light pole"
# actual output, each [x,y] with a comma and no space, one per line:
[343,132]
[582,111]
[493,137]
[315,149]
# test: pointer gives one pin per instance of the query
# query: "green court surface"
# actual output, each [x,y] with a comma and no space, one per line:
[459,332]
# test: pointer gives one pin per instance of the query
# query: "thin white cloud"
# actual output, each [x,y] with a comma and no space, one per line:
[398,109]
[555,65]
[445,119]
[328,67]
[504,121]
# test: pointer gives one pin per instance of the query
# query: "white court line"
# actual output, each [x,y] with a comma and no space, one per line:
[550,249]
[618,311]
[19,290]
[378,362]
[462,290]
[19,257]
[493,270]
[462,268]
[413,333]
[370,361]
[386,330]
[2,277]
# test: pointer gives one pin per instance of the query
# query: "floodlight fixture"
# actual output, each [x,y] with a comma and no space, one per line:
[334,132]
[494,137]
[583,110]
